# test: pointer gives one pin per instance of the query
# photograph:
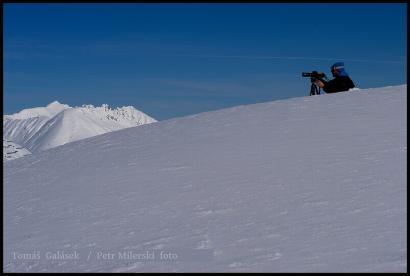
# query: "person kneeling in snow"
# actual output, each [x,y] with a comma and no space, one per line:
[341,81]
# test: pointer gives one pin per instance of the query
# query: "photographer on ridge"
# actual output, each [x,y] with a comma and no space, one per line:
[341,81]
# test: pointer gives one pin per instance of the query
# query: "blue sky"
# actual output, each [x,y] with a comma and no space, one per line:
[171,60]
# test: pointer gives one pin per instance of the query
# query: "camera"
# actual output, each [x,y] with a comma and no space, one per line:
[313,74]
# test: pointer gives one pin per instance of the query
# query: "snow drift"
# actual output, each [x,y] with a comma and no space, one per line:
[313,184]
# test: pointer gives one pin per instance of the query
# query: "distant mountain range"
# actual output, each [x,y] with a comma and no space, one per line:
[41,128]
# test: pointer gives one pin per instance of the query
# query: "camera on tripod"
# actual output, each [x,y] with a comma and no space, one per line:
[314,75]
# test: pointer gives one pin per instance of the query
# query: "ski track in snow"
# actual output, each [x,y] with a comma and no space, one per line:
[314,184]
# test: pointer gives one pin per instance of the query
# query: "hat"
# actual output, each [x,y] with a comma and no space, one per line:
[340,66]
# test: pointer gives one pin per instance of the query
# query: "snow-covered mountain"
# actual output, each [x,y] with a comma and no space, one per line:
[20,127]
[42,128]
[12,150]
[312,184]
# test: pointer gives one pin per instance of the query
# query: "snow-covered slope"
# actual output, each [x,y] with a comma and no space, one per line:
[313,184]
[46,127]
[12,150]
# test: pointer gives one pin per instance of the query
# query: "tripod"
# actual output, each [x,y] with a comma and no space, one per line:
[314,89]
[314,76]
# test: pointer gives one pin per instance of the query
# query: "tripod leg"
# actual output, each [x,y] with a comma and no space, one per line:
[312,90]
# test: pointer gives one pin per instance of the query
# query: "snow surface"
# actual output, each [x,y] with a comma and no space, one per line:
[42,128]
[12,150]
[312,184]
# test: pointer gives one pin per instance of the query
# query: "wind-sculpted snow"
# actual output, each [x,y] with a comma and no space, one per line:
[313,184]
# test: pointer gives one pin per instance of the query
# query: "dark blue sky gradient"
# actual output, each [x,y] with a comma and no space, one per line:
[171,60]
